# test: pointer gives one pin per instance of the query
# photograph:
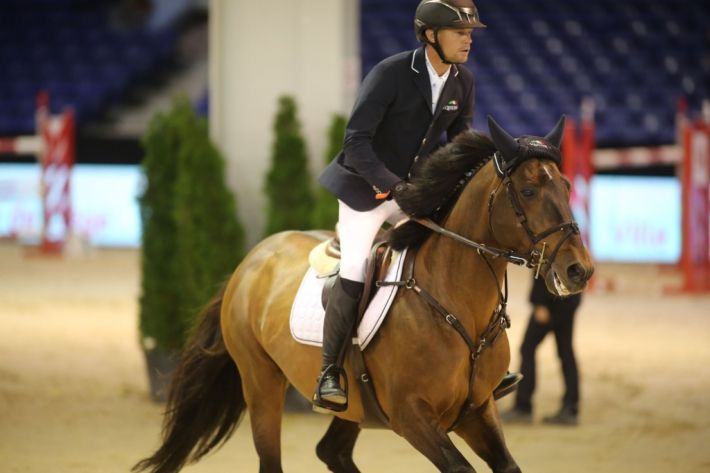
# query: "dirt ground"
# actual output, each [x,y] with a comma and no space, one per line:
[73,388]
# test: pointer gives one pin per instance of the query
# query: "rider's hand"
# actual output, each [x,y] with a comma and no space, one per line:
[399,193]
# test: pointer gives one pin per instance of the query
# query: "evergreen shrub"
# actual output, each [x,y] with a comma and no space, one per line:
[192,239]
[289,199]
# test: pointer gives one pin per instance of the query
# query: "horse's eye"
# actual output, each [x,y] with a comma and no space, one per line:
[528,192]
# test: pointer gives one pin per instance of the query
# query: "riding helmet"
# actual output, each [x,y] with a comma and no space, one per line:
[445,14]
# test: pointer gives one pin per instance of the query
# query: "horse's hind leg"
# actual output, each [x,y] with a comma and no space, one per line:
[482,431]
[336,447]
[264,388]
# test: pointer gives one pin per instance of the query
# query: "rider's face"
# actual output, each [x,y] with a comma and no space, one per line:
[456,43]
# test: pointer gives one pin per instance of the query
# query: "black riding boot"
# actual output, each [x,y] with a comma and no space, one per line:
[340,316]
[507,385]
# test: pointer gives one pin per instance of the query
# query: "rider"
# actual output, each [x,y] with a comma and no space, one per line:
[404,106]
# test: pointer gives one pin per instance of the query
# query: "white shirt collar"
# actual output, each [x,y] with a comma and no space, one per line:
[432,71]
[436,81]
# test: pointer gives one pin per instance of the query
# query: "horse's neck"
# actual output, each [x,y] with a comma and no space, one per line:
[456,272]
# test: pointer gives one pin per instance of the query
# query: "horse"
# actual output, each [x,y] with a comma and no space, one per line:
[483,203]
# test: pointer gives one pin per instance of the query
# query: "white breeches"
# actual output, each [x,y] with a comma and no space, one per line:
[357,232]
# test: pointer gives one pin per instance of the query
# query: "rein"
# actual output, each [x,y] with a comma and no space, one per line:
[509,255]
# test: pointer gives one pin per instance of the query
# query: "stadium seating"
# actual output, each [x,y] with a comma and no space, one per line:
[537,60]
[70,49]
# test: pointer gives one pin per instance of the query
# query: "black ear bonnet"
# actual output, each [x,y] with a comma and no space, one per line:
[513,151]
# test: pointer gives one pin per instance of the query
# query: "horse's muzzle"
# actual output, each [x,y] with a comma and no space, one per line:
[578,274]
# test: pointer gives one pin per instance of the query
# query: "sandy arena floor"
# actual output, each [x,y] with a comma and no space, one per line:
[73,385]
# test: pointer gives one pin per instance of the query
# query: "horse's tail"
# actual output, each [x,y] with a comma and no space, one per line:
[205,401]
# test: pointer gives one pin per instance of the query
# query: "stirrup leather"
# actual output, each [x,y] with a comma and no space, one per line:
[321,403]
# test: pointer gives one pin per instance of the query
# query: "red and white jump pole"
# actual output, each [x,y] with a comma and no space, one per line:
[691,155]
[54,144]
[578,146]
[695,182]
[578,164]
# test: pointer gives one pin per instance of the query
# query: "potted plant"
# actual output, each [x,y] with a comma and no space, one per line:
[191,240]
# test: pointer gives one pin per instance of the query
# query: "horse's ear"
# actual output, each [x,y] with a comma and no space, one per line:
[505,143]
[555,136]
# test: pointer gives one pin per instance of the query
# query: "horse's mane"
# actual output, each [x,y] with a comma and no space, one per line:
[438,182]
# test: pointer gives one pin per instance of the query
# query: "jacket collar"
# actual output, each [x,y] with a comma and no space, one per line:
[418,63]
[421,78]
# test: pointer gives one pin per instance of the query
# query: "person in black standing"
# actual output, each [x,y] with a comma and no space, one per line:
[550,314]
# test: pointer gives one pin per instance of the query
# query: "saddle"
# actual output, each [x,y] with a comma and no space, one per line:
[325,260]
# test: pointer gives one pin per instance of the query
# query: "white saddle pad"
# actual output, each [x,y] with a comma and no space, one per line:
[307,312]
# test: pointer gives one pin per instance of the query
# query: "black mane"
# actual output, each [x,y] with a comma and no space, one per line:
[438,181]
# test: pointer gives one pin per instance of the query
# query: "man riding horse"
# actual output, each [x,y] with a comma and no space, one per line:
[405,104]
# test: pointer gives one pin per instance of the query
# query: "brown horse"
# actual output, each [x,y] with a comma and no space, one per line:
[442,349]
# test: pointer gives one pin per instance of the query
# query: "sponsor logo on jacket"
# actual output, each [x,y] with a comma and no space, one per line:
[452,106]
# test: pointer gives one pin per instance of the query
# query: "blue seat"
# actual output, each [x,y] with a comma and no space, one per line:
[563,51]
[71,51]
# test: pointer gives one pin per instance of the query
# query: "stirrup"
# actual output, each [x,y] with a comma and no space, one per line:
[322,405]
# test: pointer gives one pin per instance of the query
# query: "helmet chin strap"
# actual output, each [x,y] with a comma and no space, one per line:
[437,48]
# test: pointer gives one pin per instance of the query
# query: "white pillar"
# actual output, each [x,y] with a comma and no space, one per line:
[259,51]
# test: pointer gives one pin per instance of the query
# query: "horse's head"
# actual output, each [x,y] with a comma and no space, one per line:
[530,212]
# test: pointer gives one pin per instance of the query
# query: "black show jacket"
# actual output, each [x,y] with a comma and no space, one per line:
[392,127]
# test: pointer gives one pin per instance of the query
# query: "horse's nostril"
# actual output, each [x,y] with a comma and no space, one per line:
[575,273]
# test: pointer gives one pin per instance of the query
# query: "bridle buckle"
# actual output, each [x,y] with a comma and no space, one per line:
[540,259]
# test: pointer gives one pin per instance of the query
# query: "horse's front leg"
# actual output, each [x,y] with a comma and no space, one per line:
[417,423]
[336,447]
[481,429]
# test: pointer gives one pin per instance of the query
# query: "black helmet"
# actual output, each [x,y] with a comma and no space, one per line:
[445,14]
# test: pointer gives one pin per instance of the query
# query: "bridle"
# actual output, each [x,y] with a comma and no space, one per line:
[534,258]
